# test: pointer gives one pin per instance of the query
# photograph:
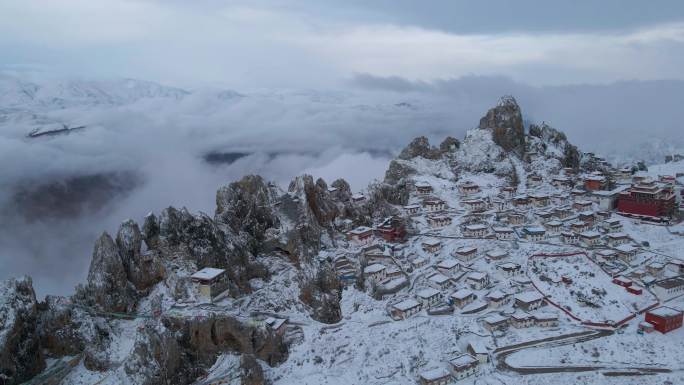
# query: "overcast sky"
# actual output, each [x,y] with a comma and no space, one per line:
[321,43]
[354,80]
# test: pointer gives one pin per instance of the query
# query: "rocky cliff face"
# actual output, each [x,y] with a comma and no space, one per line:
[506,124]
[20,354]
[551,143]
[142,269]
[248,206]
[177,351]
[108,288]
[323,293]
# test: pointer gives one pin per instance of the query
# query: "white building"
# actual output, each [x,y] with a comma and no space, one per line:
[466,254]
[462,297]
[406,308]
[463,365]
[432,246]
[475,231]
[437,221]
[535,234]
[439,376]
[590,238]
[210,282]
[477,280]
[504,233]
[429,297]
[668,288]
[439,281]
[529,300]
[433,205]
[478,350]
[510,269]
[448,266]
[375,272]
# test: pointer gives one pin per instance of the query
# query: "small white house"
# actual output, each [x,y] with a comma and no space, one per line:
[509,269]
[437,221]
[475,231]
[627,252]
[448,266]
[432,246]
[429,297]
[412,209]
[439,281]
[406,308]
[529,300]
[554,227]
[468,188]
[477,280]
[545,319]
[439,376]
[617,239]
[503,233]
[462,297]
[535,234]
[569,237]
[590,238]
[375,272]
[478,350]
[423,188]
[433,205]
[521,319]
[466,253]
[496,298]
[463,365]
[210,282]
[475,205]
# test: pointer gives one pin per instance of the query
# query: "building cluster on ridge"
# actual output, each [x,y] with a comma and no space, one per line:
[441,264]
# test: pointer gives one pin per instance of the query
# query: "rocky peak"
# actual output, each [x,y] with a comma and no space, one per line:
[546,140]
[449,144]
[419,146]
[143,270]
[316,198]
[151,231]
[506,124]
[108,288]
[247,206]
[342,190]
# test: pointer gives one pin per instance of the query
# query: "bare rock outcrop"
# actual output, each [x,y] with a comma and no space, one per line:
[342,190]
[200,239]
[506,124]
[449,145]
[248,206]
[546,140]
[143,270]
[309,211]
[250,371]
[420,146]
[107,288]
[21,356]
[323,294]
[150,231]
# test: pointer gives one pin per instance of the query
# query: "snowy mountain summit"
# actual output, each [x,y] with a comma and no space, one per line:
[464,263]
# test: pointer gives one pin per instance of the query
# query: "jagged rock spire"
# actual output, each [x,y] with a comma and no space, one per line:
[506,123]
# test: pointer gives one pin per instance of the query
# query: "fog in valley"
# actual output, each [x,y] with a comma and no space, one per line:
[113,124]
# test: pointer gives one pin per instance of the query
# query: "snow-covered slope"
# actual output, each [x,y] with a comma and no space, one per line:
[307,301]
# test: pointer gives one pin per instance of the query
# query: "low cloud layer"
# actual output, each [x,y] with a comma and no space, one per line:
[162,135]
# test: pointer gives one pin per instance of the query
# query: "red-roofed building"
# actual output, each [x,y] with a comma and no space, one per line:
[648,199]
[664,319]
